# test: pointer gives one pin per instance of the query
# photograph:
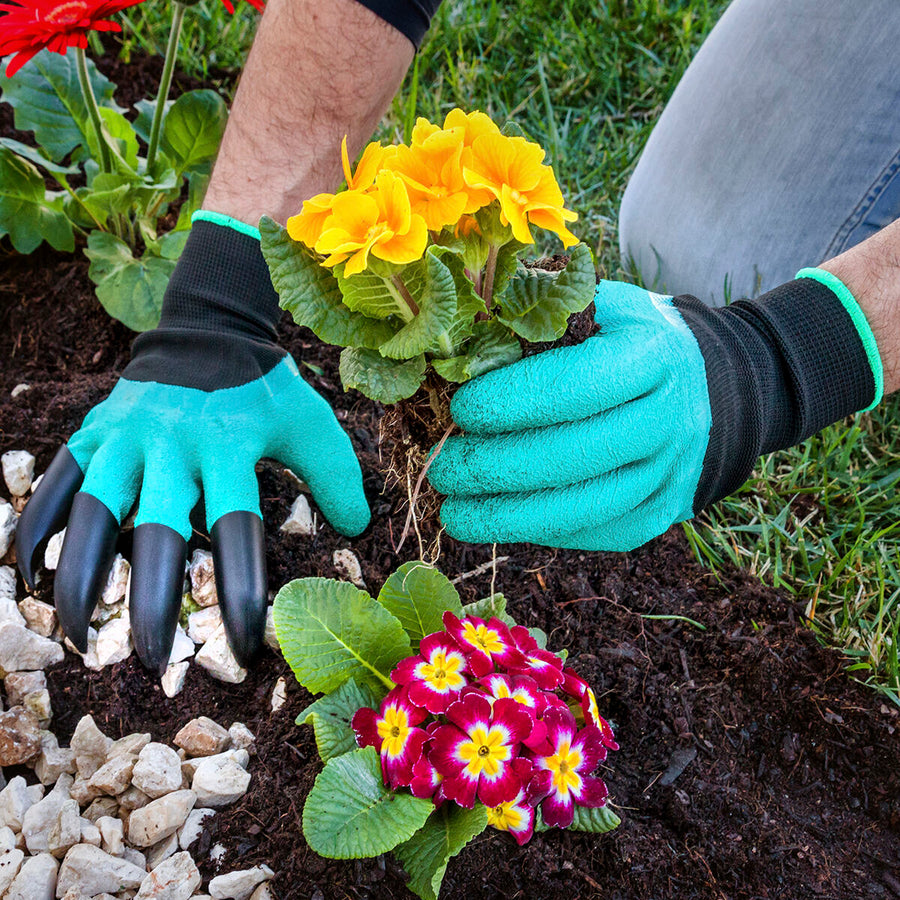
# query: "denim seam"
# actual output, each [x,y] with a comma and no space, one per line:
[869,199]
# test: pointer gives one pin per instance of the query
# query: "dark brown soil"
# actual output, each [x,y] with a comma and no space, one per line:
[751,766]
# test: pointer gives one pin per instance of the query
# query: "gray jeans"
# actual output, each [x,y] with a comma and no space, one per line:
[779,149]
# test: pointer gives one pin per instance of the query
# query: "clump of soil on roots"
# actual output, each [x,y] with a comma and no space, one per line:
[751,765]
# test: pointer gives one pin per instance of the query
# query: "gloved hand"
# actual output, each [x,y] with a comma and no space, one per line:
[205,396]
[604,445]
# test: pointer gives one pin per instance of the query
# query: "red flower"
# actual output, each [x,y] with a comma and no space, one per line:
[28,26]
[256,4]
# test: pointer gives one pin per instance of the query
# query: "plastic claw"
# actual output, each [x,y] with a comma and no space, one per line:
[84,564]
[46,512]
[238,546]
[157,580]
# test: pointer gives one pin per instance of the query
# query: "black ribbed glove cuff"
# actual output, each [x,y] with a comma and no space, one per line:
[778,370]
[217,328]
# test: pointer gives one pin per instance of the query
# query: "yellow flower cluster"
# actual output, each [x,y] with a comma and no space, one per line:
[398,194]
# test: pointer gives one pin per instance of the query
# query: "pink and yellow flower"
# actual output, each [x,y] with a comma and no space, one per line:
[575,686]
[484,643]
[436,676]
[563,776]
[477,752]
[545,667]
[392,732]
[529,696]
[515,816]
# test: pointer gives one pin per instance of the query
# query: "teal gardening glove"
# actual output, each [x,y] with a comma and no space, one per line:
[206,395]
[604,445]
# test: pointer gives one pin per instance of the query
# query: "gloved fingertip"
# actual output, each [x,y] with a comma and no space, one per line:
[239,562]
[84,563]
[157,579]
[45,512]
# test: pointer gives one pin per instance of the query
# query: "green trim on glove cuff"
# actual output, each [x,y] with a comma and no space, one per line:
[858,317]
[205,215]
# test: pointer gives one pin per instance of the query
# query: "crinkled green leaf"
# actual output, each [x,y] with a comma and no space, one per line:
[330,717]
[310,293]
[491,346]
[109,194]
[597,821]
[143,124]
[537,304]
[376,296]
[121,139]
[330,631]
[192,130]
[468,303]
[130,289]
[426,854]
[385,380]
[47,99]
[36,157]
[197,184]
[494,605]
[418,595]
[436,299]
[507,266]
[25,213]
[351,814]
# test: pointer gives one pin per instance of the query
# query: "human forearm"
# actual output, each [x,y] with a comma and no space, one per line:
[871,271]
[315,73]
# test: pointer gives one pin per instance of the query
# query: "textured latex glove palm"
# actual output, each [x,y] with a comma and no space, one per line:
[597,446]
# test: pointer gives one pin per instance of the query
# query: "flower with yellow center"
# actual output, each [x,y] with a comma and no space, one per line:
[505,816]
[564,765]
[482,638]
[485,751]
[442,673]
[393,729]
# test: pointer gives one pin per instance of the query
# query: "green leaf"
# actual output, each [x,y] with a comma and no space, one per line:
[172,243]
[492,346]
[197,184]
[376,296]
[47,99]
[36,157]
[108,195]
[385,380]
[143,124]
[330,717]
[540,636]
[121,139]
[426,854]
[310,293]
[351,814]
[330,631]
[597,821]
[418,595]
[495,605]
[192,130]
[25,214]
[468,303]
[507,266]
[436,299]
[536,304]
[131,290]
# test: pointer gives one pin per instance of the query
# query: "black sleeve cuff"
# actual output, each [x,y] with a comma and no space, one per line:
[409,17]
[779,369]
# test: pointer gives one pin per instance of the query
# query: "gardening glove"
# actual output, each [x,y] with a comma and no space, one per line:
[205,396]
[604,445]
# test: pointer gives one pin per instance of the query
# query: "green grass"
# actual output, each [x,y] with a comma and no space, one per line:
[587,80]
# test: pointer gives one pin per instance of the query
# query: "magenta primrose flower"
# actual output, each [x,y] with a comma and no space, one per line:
[437,675]
[515,816]
[477,752]
[544,667]
[392,732]
[485,644]
[577,687]
[562,778]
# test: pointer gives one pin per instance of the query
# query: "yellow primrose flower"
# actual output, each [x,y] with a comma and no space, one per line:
[379,221]
[367,168]
[307,225]
[511,169]
[474,124]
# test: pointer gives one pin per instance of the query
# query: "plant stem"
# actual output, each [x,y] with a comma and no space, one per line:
[490,270]
[63,182]
[405,295]
[165,82]
[90,101]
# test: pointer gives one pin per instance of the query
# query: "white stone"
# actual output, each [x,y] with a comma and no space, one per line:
[18,471]
[218,782]
[279,694]
[112,832]
[162,851]
[18,685]
[19,389]
[116,581]
[176,878]
[193,826]
[8,520]
[90,657]
[113,777]
[157,771]
[54,547]
[203,623]
[203,582]
[130,745]
[54,760]
[90,746]
[92,872]
[10,614]
[202,737]
[21,649]
[132,799]
[36,482]
[173,680]
[263,892]
[40,617]
[38,704]
[135,857]
[65,832]
[239,885]
[39,820]
[102,806]
[216,657]
[347,566]
[242,738]
[10,863]
[15,800]
[160,818]
[7,840]
[241,757]
[182,647]
[90,833]
[7,583]
[271,638]
[114,640]
[36,879]
[300,520]
[217,852]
